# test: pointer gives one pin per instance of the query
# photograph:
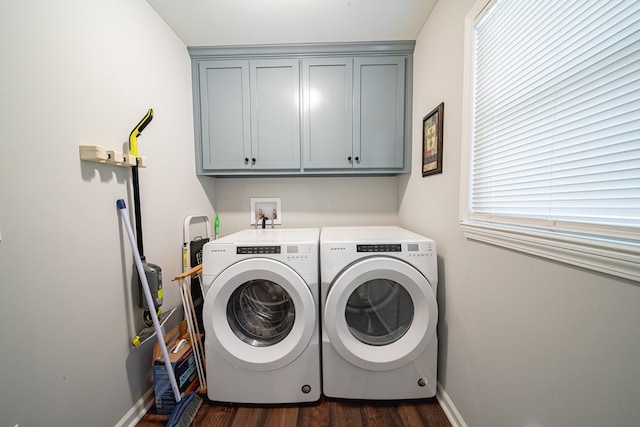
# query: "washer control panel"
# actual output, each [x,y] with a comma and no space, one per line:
[298,252]
[254,250]
[290,252]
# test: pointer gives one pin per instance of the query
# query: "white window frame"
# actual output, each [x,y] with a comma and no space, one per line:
[587,247]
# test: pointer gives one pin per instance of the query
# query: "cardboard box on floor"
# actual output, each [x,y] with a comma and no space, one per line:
[184,367]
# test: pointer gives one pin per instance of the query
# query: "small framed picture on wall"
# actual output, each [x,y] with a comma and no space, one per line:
[432,141]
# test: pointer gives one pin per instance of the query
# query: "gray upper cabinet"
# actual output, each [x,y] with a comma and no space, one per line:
[275,114]
[316,109]
[378,140]
[327,113]
[225,130]
[249,115]
[353,113]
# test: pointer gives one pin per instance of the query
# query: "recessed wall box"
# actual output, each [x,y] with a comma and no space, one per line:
[266,206]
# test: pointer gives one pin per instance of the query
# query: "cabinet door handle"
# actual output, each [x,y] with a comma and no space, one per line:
[246,159]
[253,159]
[349,158]
[357,159]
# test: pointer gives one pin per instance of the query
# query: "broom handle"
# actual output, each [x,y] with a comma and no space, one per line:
[195,270]
[147,293]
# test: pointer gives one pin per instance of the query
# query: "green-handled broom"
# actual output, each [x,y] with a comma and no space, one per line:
[186,407]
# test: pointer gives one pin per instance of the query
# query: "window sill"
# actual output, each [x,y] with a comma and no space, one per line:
[616,258]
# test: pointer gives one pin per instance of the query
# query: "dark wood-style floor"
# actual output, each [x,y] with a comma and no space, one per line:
[326,413]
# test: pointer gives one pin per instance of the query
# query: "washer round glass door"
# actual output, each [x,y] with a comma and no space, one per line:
[259,314]
[380,313]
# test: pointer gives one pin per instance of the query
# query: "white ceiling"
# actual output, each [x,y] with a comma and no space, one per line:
[239,22]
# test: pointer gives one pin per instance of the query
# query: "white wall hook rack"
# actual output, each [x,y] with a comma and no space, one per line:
[95,153]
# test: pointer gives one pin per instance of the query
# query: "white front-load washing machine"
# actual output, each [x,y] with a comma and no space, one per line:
[379,313]
[261,320]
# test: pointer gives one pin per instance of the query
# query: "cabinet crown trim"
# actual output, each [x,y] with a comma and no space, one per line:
[304,49]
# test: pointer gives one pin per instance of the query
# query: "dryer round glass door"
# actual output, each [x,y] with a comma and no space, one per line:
[380,313]
[259,314]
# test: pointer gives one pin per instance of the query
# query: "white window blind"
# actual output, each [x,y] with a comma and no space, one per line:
[556,116]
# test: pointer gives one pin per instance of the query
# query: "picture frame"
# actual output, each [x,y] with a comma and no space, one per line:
[432,139]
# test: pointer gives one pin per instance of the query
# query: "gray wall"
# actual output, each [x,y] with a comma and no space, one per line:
[523,341]
[85,72]
[310,202]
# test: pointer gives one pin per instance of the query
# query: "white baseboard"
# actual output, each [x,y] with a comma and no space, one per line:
[449,408]
[138,410]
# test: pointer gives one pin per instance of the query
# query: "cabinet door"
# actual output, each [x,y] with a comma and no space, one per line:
[225,132]
[379,112]
[275,114]
[327,124]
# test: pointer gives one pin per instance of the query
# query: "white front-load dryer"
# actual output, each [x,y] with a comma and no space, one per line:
[261,317]
[379,313]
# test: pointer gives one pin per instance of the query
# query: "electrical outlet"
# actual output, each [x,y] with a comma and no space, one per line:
[266,206]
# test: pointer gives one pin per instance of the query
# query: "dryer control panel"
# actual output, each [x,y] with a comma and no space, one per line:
[418,248]
[386,247]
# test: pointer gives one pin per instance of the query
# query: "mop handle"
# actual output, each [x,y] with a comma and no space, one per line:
[133,136]
[147,293]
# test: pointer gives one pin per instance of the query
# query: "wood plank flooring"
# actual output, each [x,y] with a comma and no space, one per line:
[325,413]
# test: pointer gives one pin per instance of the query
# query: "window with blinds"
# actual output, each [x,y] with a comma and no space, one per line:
[553,93]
